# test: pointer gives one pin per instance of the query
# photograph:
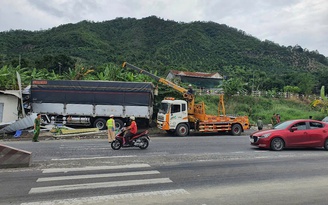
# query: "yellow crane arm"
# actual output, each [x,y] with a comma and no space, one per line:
[159,79]
[188,96]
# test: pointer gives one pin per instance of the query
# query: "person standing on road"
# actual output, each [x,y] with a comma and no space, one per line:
[111,128]
[259,124]
[36,128]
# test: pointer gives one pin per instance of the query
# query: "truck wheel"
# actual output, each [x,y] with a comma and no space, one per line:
[182,130]
[118,124]
[236,129]
[100,123]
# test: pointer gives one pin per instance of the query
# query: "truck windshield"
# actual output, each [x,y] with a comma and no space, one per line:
[164,108]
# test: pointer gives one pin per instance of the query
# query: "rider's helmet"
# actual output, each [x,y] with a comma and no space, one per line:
[132,118]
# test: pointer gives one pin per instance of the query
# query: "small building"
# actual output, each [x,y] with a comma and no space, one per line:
[200,79]
[10,105]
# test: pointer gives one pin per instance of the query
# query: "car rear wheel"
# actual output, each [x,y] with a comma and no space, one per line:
[277,144]
[326,144]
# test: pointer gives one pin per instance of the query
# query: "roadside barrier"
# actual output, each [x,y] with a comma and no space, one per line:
[12,158]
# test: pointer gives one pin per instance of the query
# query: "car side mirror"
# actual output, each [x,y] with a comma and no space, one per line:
[293,129]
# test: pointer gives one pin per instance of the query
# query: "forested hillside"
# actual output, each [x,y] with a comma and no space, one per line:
[160,45]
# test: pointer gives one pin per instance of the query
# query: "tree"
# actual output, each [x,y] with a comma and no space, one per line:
[59,63]
[306,83]
[233,86]
[291,89]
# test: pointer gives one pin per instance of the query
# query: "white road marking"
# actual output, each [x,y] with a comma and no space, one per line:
[263,157]
[98,185]
[67,159]
[107,198]
[92,176]
[93,168]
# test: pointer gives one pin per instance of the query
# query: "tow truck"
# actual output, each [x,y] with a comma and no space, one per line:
[179,117]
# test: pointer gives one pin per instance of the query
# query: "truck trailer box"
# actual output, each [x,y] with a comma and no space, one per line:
[92,99]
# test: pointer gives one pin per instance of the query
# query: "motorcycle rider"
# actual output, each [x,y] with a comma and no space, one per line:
[130,130]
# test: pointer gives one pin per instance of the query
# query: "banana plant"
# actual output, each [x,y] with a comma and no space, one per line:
[78,73]
[8,79]
[321,103]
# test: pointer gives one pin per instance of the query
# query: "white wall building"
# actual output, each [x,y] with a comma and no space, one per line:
[9,105]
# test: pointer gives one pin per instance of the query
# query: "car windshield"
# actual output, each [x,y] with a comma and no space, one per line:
[283,125]
[164,108]
[325,119]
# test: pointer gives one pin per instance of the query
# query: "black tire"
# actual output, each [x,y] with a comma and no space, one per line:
[236,129]
[145,143]
[277,144]
[118,124]
[116,145]
[326,144]
[182,130]
[100,123]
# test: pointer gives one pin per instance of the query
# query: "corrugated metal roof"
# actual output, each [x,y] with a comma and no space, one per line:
[196,74]
[11,92]
[20,124]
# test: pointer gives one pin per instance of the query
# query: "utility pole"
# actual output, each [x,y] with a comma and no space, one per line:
[19,60]
[59,65]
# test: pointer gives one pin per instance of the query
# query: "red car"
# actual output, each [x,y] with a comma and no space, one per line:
[292,134]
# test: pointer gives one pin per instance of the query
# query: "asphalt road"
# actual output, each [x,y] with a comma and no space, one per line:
[173,170]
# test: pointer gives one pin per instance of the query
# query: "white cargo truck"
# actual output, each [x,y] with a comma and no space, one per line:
[90,103]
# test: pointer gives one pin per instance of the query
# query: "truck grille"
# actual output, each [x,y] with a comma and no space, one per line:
[160,118]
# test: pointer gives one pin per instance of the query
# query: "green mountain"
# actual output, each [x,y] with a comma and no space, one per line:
[161,45]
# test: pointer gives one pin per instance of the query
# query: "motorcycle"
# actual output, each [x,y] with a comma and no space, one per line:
[141,140]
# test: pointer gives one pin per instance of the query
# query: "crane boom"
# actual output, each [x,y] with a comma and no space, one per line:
[188,96]
[159,79]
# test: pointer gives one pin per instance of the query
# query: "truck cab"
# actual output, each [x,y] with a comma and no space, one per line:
[173,115]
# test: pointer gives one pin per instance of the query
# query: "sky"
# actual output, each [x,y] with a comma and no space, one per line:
[285,22]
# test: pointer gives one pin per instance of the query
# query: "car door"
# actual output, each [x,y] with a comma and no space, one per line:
[298,136]
[317,133]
